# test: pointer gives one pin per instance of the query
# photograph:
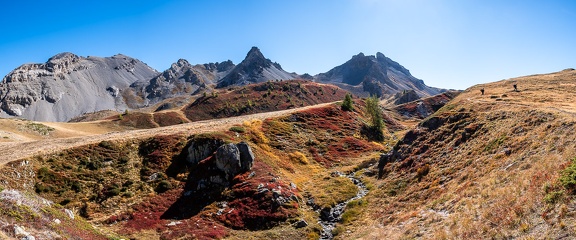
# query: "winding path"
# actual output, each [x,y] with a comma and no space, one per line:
[11,151]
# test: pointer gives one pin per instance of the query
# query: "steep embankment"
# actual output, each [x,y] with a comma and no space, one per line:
[484,166]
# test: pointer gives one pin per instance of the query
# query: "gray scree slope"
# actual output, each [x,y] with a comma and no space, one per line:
[68,85]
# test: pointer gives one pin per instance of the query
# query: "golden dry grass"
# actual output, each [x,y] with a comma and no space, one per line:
[491,164]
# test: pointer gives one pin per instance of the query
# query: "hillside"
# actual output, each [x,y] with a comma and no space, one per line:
[263,97]
[498,165]
[108,178]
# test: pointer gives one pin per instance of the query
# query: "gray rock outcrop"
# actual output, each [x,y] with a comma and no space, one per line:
[228,159]
[68,85]
[233,159]
[246,156]
[405,96]
[182,78]
[201,149]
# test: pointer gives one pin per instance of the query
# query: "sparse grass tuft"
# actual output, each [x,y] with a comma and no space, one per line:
[39,128]
[298,157]
[353,210]
[238,129]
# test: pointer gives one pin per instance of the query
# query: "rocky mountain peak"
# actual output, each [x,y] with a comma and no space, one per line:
[62,62]
[180,63]
[376,75]
[255,59]
[52,91]
[380,56]
[359,55]
[255,52]
[63,56]
[253,69]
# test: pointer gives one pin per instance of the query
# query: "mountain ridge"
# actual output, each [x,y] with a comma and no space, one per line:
[67,85]
[376,75]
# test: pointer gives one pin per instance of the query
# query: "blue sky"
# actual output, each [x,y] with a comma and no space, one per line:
[447,43]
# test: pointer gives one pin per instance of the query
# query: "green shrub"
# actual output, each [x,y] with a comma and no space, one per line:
[237,129]
[106,144]
[163,186]
[376,119]
[553,197]
[353,209]
[113,192]
[373,109]
[40,128]
[568,177]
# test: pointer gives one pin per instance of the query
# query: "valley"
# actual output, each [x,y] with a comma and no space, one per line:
[287,160]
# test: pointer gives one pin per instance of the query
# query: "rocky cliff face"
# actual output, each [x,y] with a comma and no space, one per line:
[68,85]
[375,75]
[255,68]
[182,78]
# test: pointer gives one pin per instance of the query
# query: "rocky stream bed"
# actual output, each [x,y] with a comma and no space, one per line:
[330,216]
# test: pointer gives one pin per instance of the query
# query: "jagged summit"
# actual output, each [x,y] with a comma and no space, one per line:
[375,75]
[253,69]
[182,78]
[255,55]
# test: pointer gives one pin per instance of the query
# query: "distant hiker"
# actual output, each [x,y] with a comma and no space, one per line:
[515,88]
[482,91]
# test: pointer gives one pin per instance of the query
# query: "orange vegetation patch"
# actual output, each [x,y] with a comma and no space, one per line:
[135,120]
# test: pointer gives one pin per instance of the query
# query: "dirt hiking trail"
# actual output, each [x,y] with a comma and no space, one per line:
[11,151]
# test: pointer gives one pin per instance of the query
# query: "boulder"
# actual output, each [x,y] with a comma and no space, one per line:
[228,160]
[300,224]
[201,149]
[246,156]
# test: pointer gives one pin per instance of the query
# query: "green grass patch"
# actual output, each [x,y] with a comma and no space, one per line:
[353,210]
[39,128]
[495,143]
[237,129]
[334,190]
[568,176]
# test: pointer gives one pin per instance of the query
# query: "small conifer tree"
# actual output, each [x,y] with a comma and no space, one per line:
[347,103]
[376,118]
